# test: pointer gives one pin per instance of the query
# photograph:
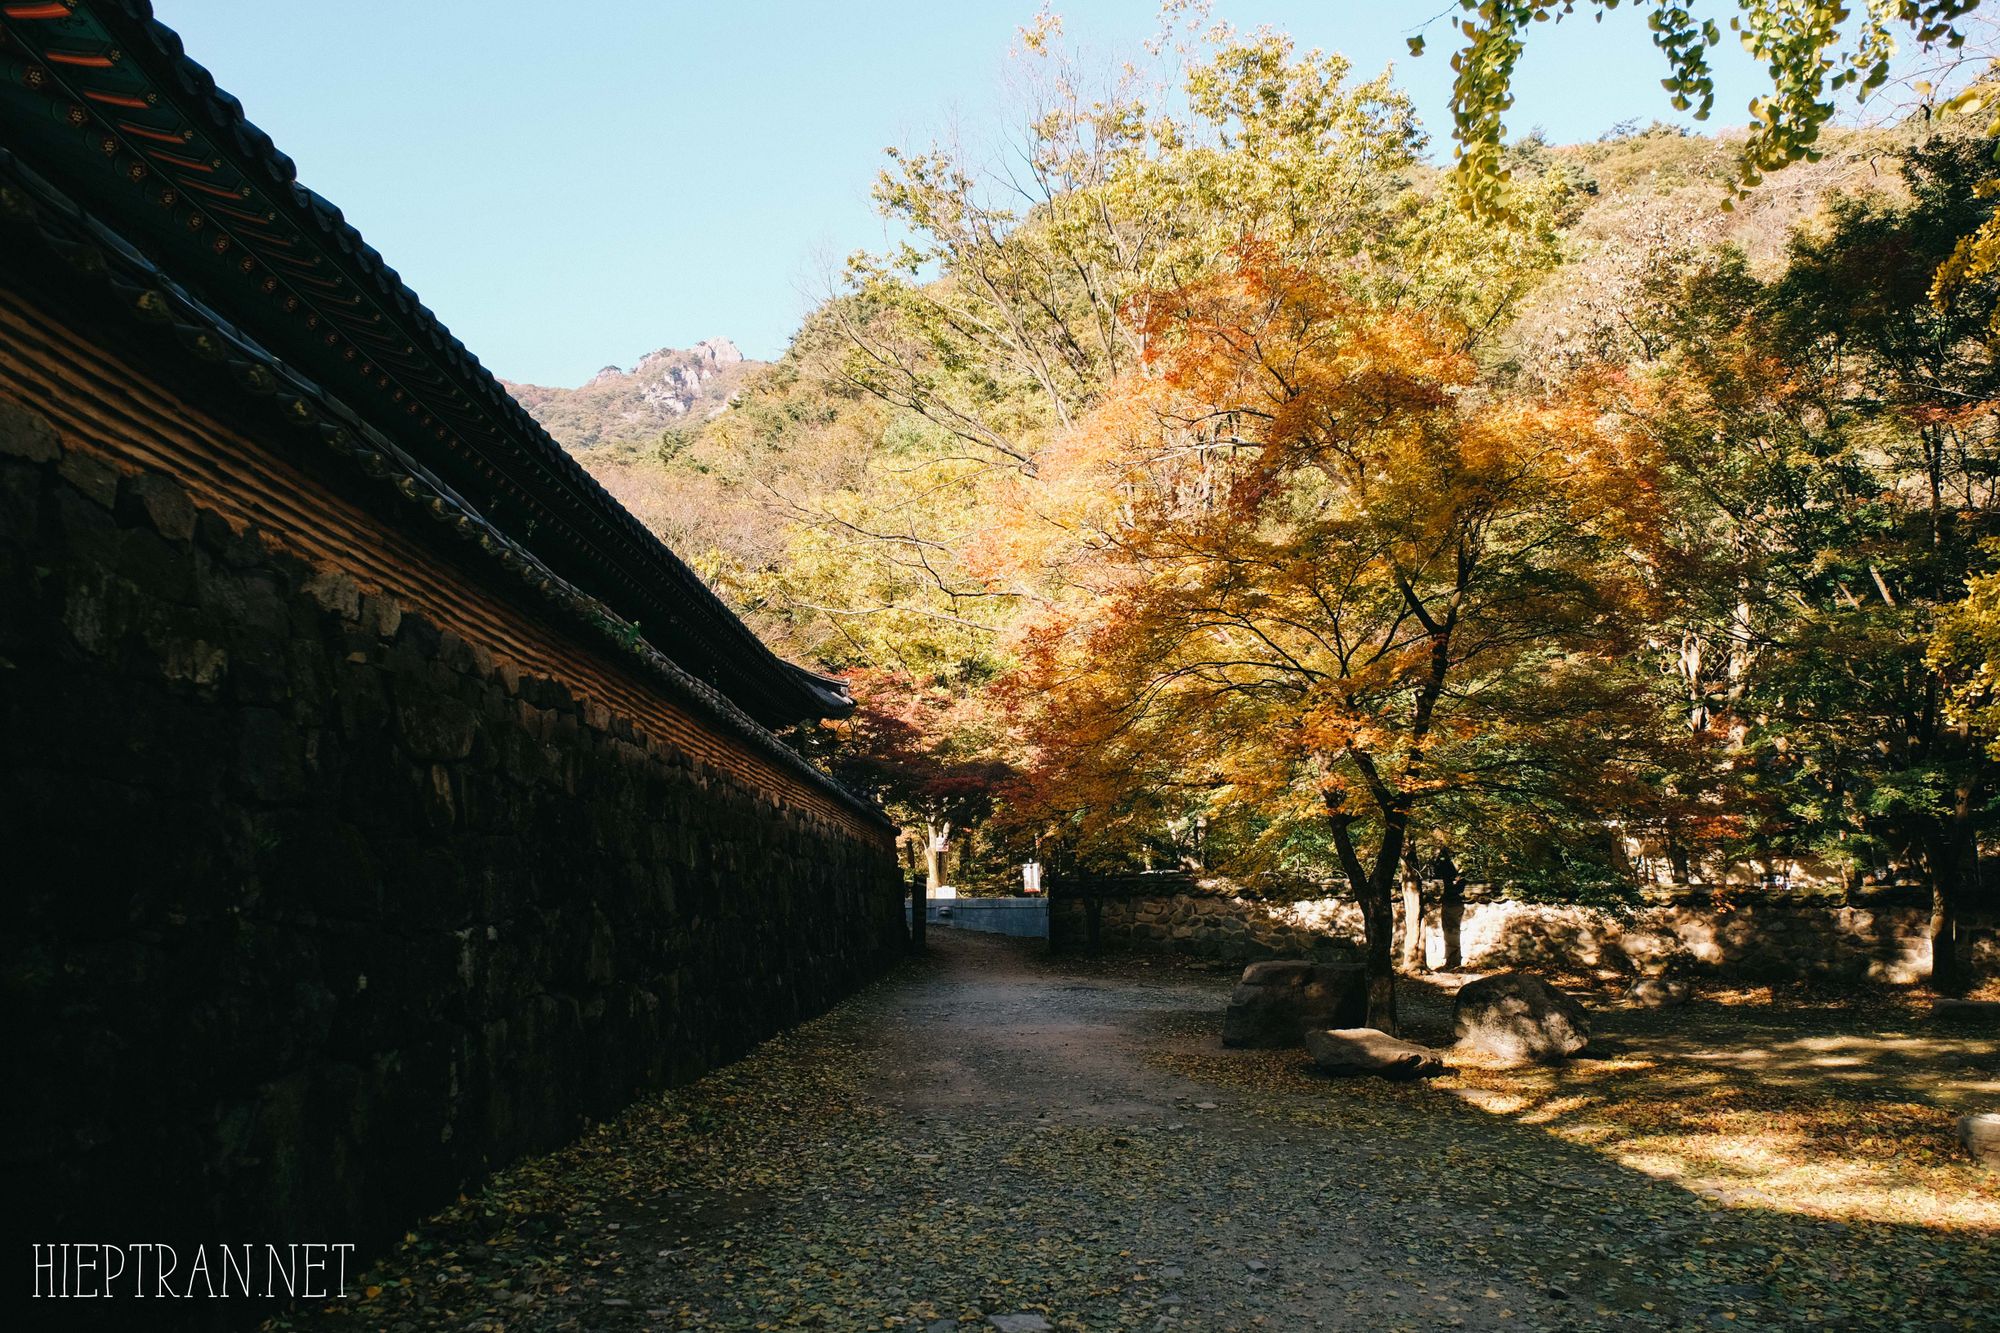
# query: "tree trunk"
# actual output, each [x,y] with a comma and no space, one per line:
[919,907]
[937,838]
[1947,973]
[1954,866]
[1413,913]
[1378,926]
[1375,892]
[1451,911]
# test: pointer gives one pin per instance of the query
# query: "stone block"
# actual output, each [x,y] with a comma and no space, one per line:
[270,756]
[1968,1013]
[380,615]
[158,502]
[435,727]
[20,505]
[94,478]
[246,600]
[27,434]
[1658,992]
[156,567]
[335,591]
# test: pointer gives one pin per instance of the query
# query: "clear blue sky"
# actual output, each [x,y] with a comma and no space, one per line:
[570,186]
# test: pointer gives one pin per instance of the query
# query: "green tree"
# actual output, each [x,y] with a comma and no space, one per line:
[1813,51]
[1829,440]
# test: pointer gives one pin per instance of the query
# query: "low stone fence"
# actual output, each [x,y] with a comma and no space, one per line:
[1026,917]
[1752,937]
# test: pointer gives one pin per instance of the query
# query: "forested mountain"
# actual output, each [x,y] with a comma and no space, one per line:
[1206,484]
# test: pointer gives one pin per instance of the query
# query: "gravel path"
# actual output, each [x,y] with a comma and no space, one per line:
[991,1139]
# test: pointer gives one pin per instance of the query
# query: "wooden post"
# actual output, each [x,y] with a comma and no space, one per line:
[919,905]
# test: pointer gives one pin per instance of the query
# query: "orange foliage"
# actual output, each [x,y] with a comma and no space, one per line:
[1301,562]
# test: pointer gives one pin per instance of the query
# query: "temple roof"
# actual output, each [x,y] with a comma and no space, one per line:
[100,100]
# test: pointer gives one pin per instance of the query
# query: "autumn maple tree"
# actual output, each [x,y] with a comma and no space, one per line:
[1313,569]
[925,748]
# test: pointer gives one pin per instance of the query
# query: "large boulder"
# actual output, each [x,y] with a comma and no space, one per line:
[1349,1051]
[1980,1136]
[1278,1001]
[1516,1016]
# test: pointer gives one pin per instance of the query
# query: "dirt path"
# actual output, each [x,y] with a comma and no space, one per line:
[1221,1219]
[990,1138]
[995,1029]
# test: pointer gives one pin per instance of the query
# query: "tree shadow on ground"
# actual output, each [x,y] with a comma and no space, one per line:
[1712,1166]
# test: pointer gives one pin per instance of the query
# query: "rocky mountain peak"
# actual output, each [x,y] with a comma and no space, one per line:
[669,387]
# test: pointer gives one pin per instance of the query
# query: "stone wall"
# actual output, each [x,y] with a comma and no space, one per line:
[1204,925]
[333,886]
[1742,936]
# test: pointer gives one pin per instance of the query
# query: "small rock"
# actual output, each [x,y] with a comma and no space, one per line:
[1204,1106]
[1019,1323]
[1257,1265]
[1658,993]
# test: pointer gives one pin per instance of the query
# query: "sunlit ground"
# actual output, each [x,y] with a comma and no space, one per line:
[1848,1126]
[1841,1109]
